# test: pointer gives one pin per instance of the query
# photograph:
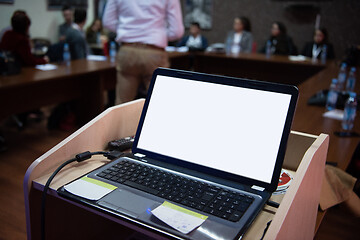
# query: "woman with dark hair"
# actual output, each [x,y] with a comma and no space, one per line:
[315,48]
[281,43]
[95,33]
[8,28]
[240,40]
[17,41]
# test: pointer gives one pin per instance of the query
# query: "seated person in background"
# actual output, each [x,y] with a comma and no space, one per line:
[96,38]
[314,48]
[75,36]
[195,41]
[9,27]
[68,17]
[240,40]
[95,33]
[17,41]
[63,116]
[281,43]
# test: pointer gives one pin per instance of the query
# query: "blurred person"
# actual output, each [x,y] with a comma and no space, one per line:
[143,31]
[9,27]
[75,36]
[64,115]
[281,43]
[315,48]
[240,39]
[95,33]
[195,41]
[68,18]
[17,41]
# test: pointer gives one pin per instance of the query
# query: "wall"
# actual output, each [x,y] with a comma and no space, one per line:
[340,17]
[44,22]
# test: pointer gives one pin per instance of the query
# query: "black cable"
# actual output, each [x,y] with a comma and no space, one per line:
[79,158]
[265,230]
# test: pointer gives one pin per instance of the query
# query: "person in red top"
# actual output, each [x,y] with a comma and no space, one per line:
[17,41]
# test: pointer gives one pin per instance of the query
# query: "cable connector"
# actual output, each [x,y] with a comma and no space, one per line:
[273,204]
[83,156]
[113,154]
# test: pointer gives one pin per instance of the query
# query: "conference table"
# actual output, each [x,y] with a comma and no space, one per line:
[86,82]
[83,82]
[274,68]
[310,118]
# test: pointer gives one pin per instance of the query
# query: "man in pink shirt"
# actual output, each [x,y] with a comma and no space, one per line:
[143,29]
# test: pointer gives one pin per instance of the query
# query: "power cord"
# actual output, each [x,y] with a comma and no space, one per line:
[265,230]
[79,158]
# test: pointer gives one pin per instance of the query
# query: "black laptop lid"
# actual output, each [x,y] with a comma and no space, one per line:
[236,129]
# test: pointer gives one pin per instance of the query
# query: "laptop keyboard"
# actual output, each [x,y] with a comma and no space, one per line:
[205,197]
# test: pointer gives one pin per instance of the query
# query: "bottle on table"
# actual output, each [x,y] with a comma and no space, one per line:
[66,54]
[98,38]
[323,55]
[342,76]
[112,52]
[268,49]
[332,95]
[349,112]
[350,84]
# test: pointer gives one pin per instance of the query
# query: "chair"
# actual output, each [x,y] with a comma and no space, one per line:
[55,52]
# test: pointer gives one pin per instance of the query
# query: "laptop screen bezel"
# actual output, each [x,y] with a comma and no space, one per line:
[231,81]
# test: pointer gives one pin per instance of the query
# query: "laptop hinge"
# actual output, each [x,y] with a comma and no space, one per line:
[258,188]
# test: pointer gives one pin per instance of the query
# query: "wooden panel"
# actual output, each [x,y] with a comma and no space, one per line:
[298,144]
[296,216]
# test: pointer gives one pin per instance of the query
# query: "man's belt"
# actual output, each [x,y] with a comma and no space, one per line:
[142,45]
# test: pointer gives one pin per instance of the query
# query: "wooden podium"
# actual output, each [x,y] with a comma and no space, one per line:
[294,219]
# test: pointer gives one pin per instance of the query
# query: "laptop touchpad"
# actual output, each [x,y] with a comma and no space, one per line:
[126,202]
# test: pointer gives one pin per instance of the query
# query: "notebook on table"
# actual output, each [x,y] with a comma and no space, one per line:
[211,145]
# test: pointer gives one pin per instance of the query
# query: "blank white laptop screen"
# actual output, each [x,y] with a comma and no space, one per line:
[233,129]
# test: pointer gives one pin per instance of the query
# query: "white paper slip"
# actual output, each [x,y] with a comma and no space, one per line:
[89,188]
[179,218]
[170,49]
[182,49]
[96,58]
[334,114]
[299,58]
[46,67]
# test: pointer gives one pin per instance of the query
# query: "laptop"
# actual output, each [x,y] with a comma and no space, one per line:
[213,145]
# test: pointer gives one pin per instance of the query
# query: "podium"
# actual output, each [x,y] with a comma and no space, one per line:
[294,219]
